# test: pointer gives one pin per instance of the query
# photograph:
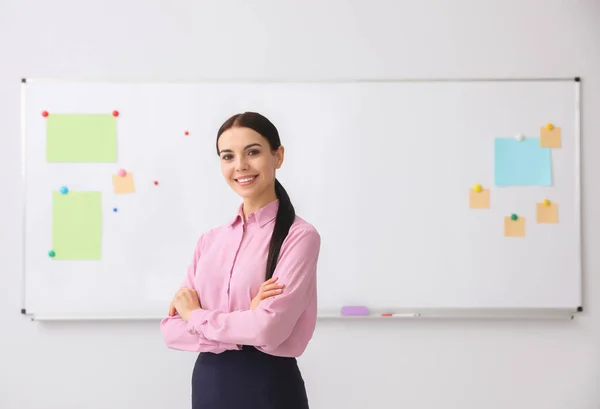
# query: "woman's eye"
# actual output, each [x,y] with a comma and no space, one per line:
[226,157]
[253,152]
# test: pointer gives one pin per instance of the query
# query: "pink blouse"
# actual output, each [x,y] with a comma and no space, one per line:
[227,269]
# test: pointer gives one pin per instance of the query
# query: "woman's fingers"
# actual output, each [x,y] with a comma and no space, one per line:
[172,310]
[267,289]
[271,290]
[268,282]
[272,287]
[270,293]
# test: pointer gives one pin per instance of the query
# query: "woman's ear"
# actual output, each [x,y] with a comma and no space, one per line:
[280,156]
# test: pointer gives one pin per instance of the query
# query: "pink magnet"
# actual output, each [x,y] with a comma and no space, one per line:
[121,172]
[354,310]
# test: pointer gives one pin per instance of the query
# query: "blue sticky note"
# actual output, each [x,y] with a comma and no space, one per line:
[521,163]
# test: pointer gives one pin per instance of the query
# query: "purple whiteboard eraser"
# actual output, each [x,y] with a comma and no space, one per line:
[354,311]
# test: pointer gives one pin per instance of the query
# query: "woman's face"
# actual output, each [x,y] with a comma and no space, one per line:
[247,162]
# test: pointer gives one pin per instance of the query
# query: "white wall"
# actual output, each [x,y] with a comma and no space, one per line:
[417,365]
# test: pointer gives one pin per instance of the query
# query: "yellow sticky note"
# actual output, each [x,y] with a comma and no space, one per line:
[479,200]
[550,138]
[547,214]
[514,228]
[123,184]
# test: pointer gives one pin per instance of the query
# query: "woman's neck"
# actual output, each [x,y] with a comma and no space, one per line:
[252,205]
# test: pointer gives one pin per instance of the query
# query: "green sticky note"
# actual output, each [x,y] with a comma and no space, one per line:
[77,225]
[81,138]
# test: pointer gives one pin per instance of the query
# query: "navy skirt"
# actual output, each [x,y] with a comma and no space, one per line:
[247,379]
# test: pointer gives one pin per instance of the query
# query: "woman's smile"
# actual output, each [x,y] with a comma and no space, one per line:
[246,180]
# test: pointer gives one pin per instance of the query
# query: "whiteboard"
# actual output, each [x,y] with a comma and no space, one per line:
[382,169]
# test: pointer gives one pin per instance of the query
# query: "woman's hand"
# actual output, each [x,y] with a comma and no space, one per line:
[267,289]
[172,310]
[185,301]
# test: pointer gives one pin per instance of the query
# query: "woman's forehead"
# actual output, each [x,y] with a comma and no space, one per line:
[239,137]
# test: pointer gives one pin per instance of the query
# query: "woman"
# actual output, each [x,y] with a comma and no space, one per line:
[249,301]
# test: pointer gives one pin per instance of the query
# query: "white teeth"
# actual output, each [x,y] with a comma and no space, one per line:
[245,180]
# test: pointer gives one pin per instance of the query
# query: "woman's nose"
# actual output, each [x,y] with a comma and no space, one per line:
[242,164]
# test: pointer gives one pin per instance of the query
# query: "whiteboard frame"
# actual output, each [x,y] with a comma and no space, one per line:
[459,314]
[474,313]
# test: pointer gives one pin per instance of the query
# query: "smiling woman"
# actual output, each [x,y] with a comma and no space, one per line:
[249,159]
[249,301]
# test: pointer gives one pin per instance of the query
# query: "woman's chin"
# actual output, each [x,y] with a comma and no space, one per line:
[246,193]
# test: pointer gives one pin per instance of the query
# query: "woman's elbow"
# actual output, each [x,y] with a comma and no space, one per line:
[171,334]
[268,339]
[273,333]
[169,339]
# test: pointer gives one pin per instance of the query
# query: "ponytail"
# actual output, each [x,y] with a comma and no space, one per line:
[284,220]
[285,213]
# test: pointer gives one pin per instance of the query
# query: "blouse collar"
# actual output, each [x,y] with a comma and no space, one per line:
[262,216]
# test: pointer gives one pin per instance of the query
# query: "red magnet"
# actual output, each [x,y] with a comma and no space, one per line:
[186,132]
[115,113]
[44,113]
[156,182]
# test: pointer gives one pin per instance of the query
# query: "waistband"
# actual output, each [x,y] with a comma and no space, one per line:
[247,352]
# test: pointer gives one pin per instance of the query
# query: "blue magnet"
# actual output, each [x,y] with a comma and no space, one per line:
[64,190]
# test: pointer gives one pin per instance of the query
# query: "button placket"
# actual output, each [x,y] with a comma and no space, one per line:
[237,251]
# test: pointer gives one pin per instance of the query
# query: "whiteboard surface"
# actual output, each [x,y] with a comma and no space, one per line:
[381,169]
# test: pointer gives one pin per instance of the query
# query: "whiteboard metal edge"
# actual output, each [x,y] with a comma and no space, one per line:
[34,317]
[464,313]
[23,198]
[303,80]
[578,207]
[459,313]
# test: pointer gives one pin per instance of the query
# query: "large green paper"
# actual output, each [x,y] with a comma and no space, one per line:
[81,138]
[77,225]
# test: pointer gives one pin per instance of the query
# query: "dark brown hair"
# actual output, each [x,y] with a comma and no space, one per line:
[286,213]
